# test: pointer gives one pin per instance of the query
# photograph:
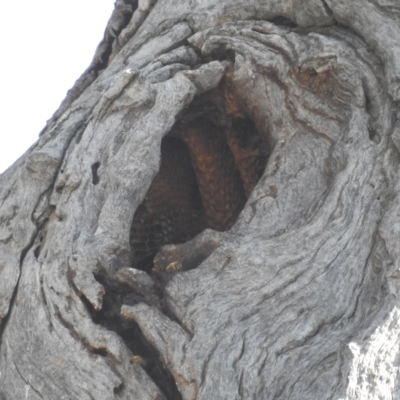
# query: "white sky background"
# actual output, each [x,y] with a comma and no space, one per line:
[45,47]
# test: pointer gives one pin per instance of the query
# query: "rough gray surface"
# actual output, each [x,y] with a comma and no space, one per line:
[299,299]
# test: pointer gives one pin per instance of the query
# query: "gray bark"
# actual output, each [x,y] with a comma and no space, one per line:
[298,299]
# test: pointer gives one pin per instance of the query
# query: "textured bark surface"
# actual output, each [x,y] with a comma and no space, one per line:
[283,287]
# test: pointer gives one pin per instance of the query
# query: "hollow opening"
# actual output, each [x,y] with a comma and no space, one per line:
[211,160]
[95,175]
[100,352]
[283,21]
[370,110]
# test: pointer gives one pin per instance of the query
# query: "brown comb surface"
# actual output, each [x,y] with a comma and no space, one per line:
[172,211]
[218,177]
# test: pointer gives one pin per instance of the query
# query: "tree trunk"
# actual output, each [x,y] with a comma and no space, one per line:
[213,212]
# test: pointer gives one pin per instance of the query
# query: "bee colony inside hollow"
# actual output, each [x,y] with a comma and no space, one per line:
[211,161]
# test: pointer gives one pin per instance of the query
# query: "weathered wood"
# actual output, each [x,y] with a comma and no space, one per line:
[299,299]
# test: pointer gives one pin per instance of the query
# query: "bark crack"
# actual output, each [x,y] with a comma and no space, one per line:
[26,382]
[9,191]
[144,353]
[15,292]
[328,10]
